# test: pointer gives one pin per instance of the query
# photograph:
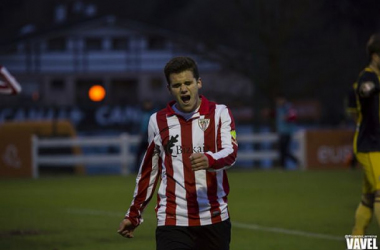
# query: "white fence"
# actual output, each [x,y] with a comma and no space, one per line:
[271,154]
[124,156]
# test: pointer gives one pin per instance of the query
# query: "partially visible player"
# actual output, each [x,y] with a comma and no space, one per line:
[352,116]
[8,84]
[367,137]
[286,117]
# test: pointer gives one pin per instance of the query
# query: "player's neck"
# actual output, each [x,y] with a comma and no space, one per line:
[195,109]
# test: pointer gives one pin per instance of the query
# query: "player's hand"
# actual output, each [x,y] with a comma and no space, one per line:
[126,228]
[199,161]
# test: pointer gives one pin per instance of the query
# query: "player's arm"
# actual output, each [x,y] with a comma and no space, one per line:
[126,228]
[146,183]
[368,85]
[350,102]
[367,88]
[8,84]
[226,153]
[352,113]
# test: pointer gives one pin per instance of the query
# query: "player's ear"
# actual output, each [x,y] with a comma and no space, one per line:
[169,88]
[199,83]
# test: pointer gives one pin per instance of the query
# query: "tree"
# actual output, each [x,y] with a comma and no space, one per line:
[305,49]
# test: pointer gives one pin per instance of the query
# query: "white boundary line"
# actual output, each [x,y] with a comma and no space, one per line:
[286,231]
[234,224]
[92,212]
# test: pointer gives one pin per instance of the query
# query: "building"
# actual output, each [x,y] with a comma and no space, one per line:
[56,66]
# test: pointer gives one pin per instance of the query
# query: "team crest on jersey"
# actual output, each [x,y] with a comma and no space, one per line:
[203,123]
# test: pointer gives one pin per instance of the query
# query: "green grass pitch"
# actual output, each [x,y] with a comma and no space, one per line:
[293,210]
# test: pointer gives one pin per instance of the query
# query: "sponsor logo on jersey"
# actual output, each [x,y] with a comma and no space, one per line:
[170,144]
[173,149]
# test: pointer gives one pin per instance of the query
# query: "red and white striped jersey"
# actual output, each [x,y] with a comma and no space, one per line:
[186,197]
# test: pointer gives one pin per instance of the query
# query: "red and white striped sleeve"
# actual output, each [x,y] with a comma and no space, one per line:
[8,84]
[147,178]
[227,146]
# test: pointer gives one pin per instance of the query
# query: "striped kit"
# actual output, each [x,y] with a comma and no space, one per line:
[186,197]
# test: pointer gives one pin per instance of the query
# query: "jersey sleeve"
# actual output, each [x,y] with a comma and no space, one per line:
[226,154]
[368,77]
[350,100]
[146,180]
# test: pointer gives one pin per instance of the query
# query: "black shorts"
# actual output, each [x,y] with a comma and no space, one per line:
[216,236]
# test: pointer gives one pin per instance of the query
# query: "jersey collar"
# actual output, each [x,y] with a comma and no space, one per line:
[203,109]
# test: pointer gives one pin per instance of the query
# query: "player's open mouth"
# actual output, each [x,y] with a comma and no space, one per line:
[185,98]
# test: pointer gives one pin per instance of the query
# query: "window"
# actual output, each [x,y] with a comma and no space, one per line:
[57,85]
[94,44]
[124,91]
[156,83]
[120,43]
[156,43]
[12,49]
[57,44]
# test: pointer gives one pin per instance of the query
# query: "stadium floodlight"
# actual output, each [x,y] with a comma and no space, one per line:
[8,84]
[96,93]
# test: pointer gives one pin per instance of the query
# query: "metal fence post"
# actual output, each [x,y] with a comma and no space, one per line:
[35,173]
[300,138]
[124,151]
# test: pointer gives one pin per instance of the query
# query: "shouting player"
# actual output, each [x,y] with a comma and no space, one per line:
[191,144]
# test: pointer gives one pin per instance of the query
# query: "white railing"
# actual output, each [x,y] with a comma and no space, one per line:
[271,154]
[124,156]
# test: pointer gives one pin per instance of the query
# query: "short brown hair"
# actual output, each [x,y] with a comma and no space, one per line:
[179,64]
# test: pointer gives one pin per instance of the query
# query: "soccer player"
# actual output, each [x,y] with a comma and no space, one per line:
[367,137]
[191,144]
[9,86]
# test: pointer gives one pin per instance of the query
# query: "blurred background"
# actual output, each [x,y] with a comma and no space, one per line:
[248,52]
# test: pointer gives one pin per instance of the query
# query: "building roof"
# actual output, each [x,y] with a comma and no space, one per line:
[88,23]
